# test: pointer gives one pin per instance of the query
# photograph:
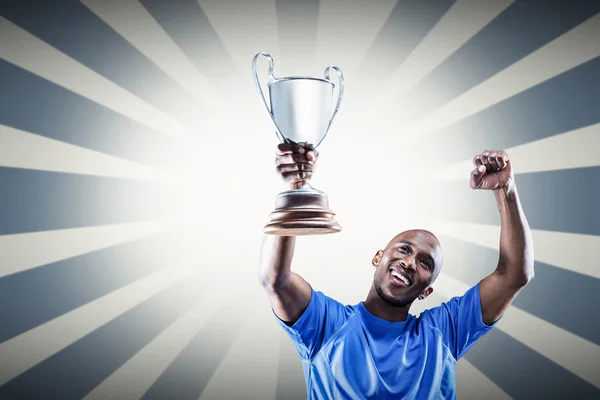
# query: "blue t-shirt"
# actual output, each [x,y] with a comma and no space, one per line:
[348,353]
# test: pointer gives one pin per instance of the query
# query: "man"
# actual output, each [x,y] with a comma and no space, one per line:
[376,349]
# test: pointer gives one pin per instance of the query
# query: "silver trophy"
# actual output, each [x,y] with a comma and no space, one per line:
[301,111]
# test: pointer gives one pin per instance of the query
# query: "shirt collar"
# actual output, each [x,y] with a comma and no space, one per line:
[388,326]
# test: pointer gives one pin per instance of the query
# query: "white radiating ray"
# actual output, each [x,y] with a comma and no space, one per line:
[548,245]
[132,21]
[346,30]
[21,149]
[564,348]
[258,22]
[253,360]
[36,345]
[562,54]
[138,374]
[462,21]
[21,48]
[574,149]
[471,383]
[24,251]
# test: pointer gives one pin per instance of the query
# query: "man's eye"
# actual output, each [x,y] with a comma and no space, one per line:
[404,249]
[425,264]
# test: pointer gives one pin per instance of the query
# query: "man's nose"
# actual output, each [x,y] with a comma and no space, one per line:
[408,262]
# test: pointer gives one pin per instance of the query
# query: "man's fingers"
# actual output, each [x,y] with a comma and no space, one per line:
[292,158]
[306,145]
[299,148]
[296,179]
[294,175]
[492,161]
[295,162]
[289,148]
[485,160]
[284,148]
[312,155]
[501,162]
[479,171]
[294,167]
[477,176]
[488,165]
[502,158]
[297,184]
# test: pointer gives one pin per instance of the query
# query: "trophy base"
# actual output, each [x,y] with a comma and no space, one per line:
[300,212]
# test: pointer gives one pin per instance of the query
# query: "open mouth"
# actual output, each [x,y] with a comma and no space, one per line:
[398,278]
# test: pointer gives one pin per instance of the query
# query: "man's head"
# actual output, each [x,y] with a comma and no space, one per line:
[407,267]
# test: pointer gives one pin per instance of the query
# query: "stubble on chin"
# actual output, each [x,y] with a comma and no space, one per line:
[399,302]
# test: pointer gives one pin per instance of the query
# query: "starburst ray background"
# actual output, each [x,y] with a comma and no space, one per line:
[136,174]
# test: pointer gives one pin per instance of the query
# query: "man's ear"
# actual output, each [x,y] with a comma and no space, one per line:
[377,258]
[426,293]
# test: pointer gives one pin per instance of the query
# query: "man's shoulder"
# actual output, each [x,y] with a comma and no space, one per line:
[430,317]
[332,305]
[322,296]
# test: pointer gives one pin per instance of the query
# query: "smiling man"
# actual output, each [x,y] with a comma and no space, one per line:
[376,348]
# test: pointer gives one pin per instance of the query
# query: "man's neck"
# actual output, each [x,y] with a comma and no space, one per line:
[384,310]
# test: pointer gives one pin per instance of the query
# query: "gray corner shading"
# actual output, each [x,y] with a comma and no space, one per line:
[189,373]
[521,29]
[406,26]
[35,296]
[521,372]
[189,27]
[560,200]
[35,200]
[524,373]
[290,377]
[555,295]
[77,369]
[76,31]
[33,104]
[566,102]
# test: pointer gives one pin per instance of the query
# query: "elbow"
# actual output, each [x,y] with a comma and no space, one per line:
[530,274]
[525,276]
[271,282]
[528,270]
[518,275]
[525,279]
[264,279]
[261,279]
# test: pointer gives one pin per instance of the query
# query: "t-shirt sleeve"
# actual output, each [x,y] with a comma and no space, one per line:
[460,321]
[320,320]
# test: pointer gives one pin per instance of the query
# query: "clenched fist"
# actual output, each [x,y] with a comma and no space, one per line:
[295,163]
[492,171]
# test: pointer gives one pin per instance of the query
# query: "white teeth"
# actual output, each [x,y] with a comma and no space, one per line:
[399,276]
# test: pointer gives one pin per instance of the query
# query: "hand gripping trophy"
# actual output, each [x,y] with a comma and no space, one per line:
[301,111]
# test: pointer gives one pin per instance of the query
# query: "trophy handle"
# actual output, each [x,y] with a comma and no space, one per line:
[260,92]
[340,95]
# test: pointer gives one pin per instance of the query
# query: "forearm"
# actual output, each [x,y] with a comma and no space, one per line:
[288,292]
[516,244]
[276,260]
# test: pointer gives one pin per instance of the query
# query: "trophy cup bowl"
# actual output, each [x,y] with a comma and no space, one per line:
[302,110]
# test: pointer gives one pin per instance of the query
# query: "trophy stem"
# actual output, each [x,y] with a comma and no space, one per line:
[303,211]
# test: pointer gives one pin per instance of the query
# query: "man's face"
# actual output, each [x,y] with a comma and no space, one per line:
[407,266]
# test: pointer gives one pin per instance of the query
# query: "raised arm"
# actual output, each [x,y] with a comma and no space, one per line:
[289,294]
[515,265]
